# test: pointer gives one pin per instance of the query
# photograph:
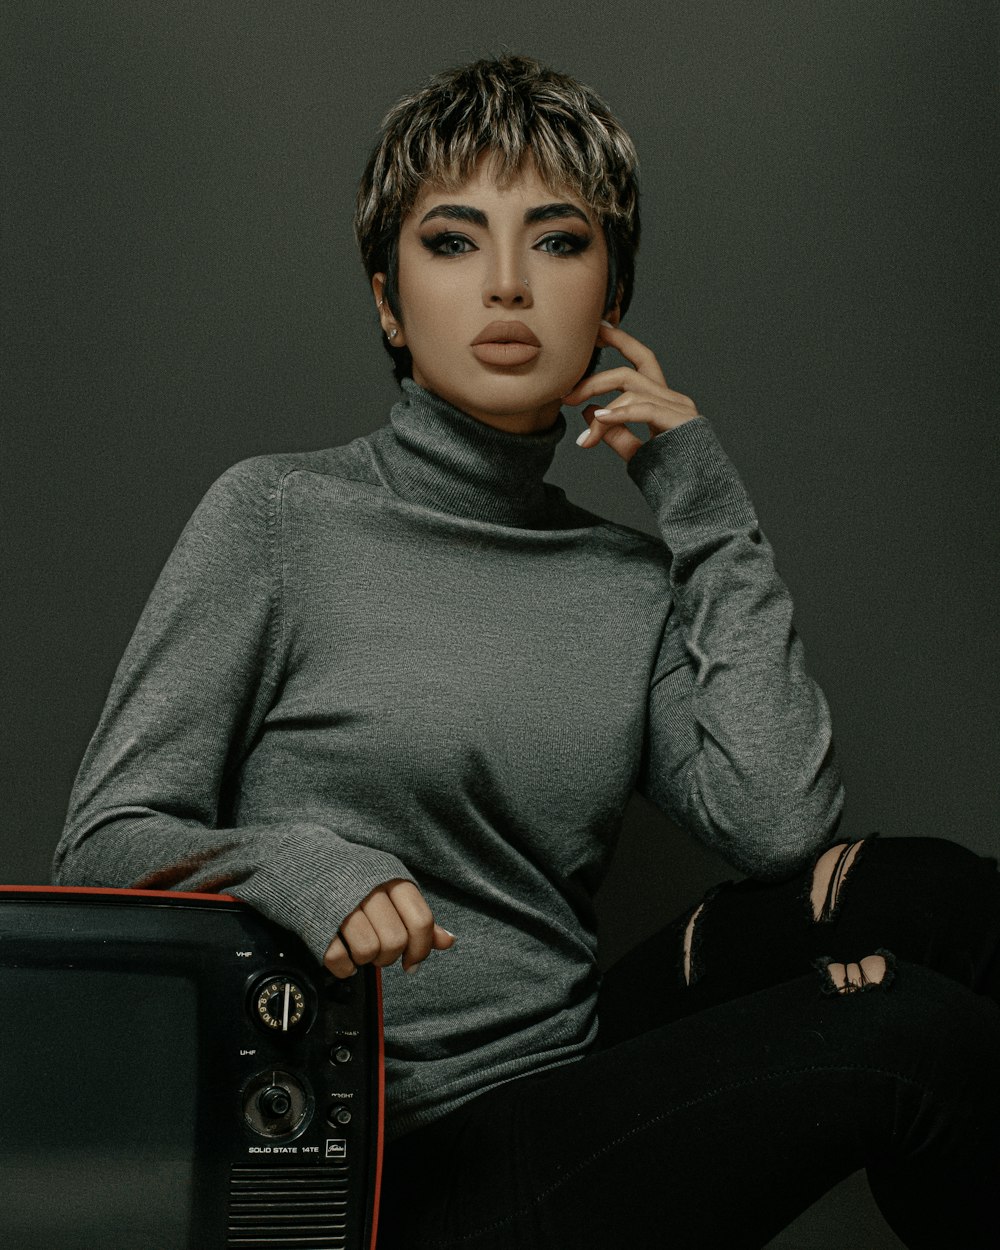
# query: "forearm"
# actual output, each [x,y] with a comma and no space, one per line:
[740,745]
[302,875]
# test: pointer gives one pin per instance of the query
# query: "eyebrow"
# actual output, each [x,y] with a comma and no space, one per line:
[476,217]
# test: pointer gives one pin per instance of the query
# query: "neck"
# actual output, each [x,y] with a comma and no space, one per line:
[434,454]
[530,422]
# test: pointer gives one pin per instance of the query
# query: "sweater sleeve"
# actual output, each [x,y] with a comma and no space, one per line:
[185,707]
[739,746]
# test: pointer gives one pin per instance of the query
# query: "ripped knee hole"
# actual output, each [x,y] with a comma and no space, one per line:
[852,977]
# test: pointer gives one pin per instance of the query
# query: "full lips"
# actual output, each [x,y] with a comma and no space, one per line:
[505,353]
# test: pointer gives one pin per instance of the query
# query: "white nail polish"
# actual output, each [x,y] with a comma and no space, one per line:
[582,438]
[608,324]
[602,412]
[413,968]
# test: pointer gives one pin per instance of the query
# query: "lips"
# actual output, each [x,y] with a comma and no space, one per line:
[506,332]
[505,343]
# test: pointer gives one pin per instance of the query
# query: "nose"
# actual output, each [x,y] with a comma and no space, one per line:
[505,283]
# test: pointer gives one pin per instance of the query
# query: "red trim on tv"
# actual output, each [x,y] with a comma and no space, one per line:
[381,1108]
[100,889]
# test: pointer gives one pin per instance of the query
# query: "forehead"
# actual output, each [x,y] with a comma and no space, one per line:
[523,187]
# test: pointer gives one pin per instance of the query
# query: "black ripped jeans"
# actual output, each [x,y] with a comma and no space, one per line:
[711,1114]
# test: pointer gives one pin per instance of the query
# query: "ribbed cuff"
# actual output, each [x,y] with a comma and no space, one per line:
[314,880]
[691,484]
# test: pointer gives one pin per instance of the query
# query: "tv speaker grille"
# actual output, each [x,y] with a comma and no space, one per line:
[289,1208]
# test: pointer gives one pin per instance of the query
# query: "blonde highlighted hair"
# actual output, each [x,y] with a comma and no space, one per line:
[516,108]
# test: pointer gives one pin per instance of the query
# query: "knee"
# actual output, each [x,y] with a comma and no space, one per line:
[871,970]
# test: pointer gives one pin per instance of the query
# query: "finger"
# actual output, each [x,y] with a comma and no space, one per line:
[416,916]
[390,931]
[623,378]
[658,417]
[616,435]
[360,938]
[412,907]
[338,959]
[620,379]
[443,939]
[643,357]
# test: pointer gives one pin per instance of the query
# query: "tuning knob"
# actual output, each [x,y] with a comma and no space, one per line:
[279,1004]
[275,1102]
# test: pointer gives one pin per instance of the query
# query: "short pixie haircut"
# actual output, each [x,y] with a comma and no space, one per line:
[514,107]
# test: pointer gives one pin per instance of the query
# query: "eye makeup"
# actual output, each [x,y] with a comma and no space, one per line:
[571,244]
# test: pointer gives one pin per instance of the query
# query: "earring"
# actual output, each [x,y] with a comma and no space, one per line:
[392,333]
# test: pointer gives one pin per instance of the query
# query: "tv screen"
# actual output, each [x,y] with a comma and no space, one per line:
[97,1126]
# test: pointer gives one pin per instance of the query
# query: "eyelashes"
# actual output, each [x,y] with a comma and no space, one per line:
[570,244]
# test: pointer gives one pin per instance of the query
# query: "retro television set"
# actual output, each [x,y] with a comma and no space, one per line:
[181,1074]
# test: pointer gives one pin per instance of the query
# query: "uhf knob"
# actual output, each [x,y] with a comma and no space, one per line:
[275,1102]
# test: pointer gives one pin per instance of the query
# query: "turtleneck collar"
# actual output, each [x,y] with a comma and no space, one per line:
[434,454]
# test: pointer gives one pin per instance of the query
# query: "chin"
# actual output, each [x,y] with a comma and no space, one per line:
[508,396]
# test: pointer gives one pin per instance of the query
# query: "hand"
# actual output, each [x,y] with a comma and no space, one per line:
[392,920]
[646,397]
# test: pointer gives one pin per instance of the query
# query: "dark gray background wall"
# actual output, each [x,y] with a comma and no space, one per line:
[818,271]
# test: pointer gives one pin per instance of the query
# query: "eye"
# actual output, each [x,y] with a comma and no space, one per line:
[441,244]
[451,244]
[569,243]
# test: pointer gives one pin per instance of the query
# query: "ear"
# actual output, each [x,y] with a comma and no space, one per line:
[378,287]
[384,313]
[615,313]
[614,316]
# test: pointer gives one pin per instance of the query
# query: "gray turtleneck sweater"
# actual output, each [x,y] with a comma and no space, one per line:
[409,656]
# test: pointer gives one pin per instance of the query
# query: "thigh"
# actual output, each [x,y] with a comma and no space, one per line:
[717,1129]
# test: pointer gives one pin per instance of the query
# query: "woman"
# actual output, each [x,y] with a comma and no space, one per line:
[404,682]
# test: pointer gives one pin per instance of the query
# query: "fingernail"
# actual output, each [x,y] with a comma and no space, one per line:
[608,324]
[583,437]
[602,412]
[448,931]
[412,968]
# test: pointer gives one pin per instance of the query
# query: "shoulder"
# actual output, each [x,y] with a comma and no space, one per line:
[615,536]
[257,484]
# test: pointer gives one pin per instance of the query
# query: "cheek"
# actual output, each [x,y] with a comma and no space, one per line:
[579,302]
[574,319]
[430,308]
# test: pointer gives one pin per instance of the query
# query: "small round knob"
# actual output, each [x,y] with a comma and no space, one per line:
[339,1115]
[275,1102]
